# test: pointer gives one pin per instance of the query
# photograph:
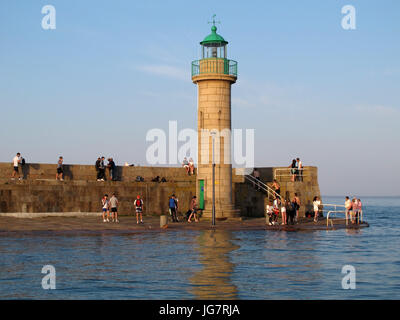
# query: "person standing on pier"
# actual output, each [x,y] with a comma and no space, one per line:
[172,208]
[359,210]
[97,166]
[193,209]
[283,212]
[106,209]
[277,187]
[297,204]
[16,162]
[348,206]
[139,209]
[111,167]
[299,165]
[114,208]
[293,170]
[60,169]
[316,204]
[290,211]
[102,170]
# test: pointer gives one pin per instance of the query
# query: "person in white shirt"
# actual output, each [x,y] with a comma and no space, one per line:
[283,212]
[191,166]
[299,170]
[185,164]
[105,208]
[16,162]
[348,206]
[316,204]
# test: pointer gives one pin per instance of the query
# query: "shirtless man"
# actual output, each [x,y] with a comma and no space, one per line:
[348,205]
[277,187]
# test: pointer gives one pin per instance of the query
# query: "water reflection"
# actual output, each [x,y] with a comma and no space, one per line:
[214,281]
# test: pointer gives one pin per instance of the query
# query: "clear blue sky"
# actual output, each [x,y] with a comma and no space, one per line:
[112,70]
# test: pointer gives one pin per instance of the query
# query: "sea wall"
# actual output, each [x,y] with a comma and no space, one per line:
[39,192]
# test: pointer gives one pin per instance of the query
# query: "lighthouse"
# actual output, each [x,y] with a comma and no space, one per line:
[214,75]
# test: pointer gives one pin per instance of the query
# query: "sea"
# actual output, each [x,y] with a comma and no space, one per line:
[320,264]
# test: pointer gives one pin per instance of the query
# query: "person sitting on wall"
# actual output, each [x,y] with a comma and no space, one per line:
[269,210]
[275,210]
[156,179]
[191,166]
[185,164]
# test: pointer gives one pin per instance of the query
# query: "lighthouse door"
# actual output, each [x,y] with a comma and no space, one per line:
[201,194]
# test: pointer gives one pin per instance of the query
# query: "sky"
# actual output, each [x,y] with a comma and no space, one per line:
[113,70]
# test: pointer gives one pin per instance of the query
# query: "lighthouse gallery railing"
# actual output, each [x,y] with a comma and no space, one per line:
[214,65]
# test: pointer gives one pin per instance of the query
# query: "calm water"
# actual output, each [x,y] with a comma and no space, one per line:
[202,265]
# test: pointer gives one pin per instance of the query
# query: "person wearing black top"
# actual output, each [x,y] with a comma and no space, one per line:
[102,170]
[111,167]
[97,166]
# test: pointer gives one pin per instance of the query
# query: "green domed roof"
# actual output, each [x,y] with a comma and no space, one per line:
[214,37]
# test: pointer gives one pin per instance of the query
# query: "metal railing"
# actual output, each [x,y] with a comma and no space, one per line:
[262,186]
[287,172]
[346,212]
[214,65]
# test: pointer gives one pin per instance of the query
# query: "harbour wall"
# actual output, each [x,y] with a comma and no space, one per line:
[39,192]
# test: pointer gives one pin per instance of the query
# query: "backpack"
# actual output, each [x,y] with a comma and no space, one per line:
[138,204]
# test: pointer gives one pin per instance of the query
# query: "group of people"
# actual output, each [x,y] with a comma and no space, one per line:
[296,170]
[188,165]
[173,204]
[101,169]
[289,210]
[110,208]
[353,209]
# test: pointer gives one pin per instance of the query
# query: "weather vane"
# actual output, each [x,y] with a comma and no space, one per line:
[213,20]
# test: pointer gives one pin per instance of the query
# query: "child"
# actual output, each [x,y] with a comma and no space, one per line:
[270,212]
[106,211]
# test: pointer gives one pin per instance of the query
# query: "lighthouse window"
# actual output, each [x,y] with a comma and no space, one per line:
[215,51]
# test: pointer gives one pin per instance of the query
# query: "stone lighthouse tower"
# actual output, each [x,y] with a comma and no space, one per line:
[214,74]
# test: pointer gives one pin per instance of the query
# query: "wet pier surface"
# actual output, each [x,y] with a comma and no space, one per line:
[127,224]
